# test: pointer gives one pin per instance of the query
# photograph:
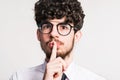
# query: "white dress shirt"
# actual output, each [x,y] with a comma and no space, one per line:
[73,72]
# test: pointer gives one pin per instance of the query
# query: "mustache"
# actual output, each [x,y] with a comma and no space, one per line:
[56,40]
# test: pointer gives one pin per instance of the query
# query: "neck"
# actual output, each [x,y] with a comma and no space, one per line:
[68,59]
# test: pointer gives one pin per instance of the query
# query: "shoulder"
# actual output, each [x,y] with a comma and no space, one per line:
[33,73]
[87,74]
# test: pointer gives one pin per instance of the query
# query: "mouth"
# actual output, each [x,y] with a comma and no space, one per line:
[51,43]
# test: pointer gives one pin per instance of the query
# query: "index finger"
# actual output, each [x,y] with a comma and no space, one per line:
[54,50]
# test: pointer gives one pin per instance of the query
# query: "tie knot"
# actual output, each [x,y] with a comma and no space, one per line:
[64,77]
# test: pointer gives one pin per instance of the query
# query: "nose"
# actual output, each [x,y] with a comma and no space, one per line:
[54,32]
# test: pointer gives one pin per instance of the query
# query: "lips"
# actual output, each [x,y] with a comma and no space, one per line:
[51,44]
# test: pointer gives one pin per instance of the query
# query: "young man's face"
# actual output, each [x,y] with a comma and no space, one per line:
[64,43]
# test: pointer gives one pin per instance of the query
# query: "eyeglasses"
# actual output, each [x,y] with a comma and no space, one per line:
[62,28]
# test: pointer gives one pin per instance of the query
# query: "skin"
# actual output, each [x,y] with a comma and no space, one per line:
[57,48]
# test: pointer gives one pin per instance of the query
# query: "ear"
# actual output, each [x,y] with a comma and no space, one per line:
[38,35]
[78,35]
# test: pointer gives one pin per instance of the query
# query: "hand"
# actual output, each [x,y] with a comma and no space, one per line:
[55,66]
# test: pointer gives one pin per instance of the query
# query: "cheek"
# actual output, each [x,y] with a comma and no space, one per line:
[68,41]
[68,44]
[44,38]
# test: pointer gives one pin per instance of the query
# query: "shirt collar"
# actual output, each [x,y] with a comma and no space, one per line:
[70,71]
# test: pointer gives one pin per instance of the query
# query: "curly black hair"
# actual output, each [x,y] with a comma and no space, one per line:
[51,9]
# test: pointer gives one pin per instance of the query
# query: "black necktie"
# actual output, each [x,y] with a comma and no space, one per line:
[64,77]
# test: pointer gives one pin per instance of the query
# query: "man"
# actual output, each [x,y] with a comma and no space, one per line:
[59,23]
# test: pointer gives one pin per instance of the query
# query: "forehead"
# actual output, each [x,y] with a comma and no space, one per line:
[57,20]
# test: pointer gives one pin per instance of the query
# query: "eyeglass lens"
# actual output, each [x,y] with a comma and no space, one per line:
[62,28]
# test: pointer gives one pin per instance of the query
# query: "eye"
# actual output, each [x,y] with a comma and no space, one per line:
[64,27]
[46,26]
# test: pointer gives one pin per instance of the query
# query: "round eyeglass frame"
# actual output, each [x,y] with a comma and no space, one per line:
[46,22]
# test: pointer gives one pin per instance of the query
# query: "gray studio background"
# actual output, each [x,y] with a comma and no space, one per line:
[98,49]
